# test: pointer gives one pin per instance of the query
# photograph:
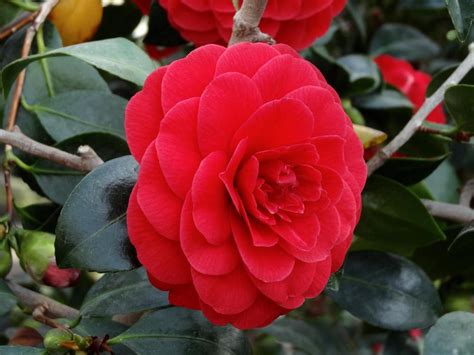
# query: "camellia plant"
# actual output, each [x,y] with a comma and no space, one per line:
[237,177]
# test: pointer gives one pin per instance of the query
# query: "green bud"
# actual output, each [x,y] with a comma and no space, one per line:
[36,252]
[58,339]
[5,258]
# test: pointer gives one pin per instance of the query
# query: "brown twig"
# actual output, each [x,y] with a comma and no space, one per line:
[33,299]
[39,314]
[467,194]
[17,24]
[417,120]
[448,211]
[41,15]
[246,22]
[86,160]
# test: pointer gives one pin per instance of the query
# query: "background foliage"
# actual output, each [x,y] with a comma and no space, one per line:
[406,270]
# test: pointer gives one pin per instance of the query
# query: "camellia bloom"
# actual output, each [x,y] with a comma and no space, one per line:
[250,181]
[413,83]
[294,22]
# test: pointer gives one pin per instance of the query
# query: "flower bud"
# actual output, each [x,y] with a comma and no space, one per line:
[38,260]
[5,258]
[58,339]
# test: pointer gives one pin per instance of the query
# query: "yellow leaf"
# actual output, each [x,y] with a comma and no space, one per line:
[77,20]
[369,137]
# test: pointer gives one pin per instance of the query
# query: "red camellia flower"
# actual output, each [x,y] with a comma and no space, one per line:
[413,83]
[294,22]
[143,5]
[250,181]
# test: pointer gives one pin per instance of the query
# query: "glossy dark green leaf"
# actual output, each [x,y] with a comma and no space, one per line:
[102,327]
[452,334]
[419,158]
[40,216]
[306,338]
[394,219]
[8,13]
[462,14]
[444,183]
[364,75]
[421,4]
[116,56]
[118,21]
[182,331]
[122,293]
[455,99]
[463,245]
[82,111]
[21,350]
[387,291]
[92,231]
[440,77]
[7,298]
[56,181]
[384,100]
[403,41]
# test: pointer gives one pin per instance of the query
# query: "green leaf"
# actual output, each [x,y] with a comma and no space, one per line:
[463,245]
[122,293]
[8,13]
[182,331]
[305,338]
[402,41]
[452,334]
[422,4]
[116,56]
[82,111]
[387,291]
[7,298]
[56,181]
[384,100]
[462,14]
[444,183]
[92,231]
[440,77]
[421,156]
[394,219]
[40,216]
[21,350]
[456,99]
[364,75]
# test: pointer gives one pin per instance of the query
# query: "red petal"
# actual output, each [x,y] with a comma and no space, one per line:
[329,118]
[159,204]
[188,77]
[143,114]
[277,123]
[211,201]
[226,294]
[177,146]
[204,257]
[331,152]
[267,264]
[332,183]
[160,256]
[179,295]
[227,102]
[282,75]
[338,254]
[245,58]
[321,278]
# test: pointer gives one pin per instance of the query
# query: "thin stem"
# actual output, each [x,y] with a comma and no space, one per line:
[43,12]
[428,106]
[246,22]
[86,161]
[450,212]
[16,25]
[33,299]
[44,63]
